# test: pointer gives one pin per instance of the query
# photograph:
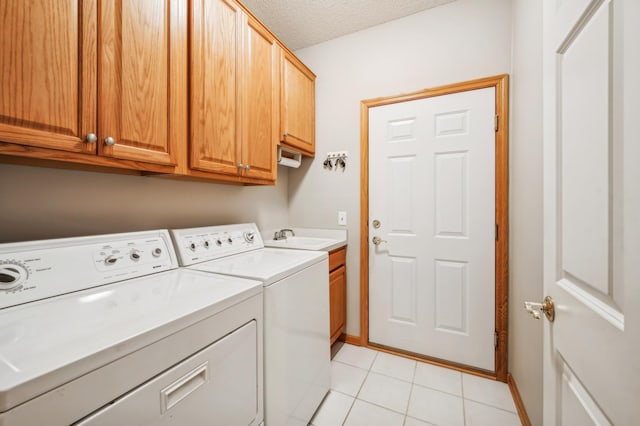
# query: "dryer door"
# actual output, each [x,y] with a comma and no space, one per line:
[218,385]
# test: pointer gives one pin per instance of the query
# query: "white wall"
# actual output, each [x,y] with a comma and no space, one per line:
[463,40]
[525,254]
[460,41]
[38,203]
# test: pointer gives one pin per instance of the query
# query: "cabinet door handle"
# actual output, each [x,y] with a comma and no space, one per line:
[109,141]
[247,167]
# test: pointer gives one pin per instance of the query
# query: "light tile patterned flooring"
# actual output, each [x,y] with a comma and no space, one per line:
[370,388]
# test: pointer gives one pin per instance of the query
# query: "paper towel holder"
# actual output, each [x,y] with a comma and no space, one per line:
[288,157]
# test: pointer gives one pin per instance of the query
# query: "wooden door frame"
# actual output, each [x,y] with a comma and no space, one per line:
[501,84]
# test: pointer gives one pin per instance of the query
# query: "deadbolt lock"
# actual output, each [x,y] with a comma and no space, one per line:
[376,224]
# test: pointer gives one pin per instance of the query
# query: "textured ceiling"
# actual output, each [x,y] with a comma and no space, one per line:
[302,23]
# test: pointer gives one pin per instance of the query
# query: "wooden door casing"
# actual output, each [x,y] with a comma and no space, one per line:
[49,75]
[142,49]
[500,82]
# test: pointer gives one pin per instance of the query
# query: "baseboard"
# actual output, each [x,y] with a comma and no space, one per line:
[350,339]
[522,412]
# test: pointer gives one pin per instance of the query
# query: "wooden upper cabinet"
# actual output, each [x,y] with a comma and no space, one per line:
[193,87]
[233,102]
[297,105]
[142,64]
[260,102]
[48,73]
[215,41]
[68,88]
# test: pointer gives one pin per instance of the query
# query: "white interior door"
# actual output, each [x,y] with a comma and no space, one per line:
[592,212]
[432,189]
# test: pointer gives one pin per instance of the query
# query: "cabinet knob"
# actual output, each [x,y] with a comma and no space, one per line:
[247,167]
[241,166]
[109,141]
[91,138]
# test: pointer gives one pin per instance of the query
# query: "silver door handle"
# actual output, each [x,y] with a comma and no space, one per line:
[377,240]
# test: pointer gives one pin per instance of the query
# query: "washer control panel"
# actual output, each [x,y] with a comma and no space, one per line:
[129,254]
[35,270]
[195,245]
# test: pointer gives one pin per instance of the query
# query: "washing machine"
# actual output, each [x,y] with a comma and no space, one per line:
[296,311]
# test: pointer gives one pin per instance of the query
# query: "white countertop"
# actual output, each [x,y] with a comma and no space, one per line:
[307,239]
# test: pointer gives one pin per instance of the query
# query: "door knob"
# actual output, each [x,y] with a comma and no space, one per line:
[547,307]
[378,240]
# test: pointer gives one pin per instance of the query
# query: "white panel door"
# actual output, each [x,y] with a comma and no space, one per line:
[432,188]
[592,212]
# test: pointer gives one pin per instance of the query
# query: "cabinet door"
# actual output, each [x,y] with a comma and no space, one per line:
[48,68]
[142,62]
[259,120]
[215,42]
[337,302]
[297,105]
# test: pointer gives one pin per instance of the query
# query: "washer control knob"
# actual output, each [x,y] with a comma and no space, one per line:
[230,240]
[156,252]
[110,260]
[249,237]
[11,276]
[219,242]
[206,244]
[134,255]
[192,246]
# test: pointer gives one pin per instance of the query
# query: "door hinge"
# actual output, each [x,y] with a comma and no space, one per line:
[497,232]
[495,339]
[495,122]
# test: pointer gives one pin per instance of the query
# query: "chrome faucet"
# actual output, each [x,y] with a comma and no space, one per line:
[282,234]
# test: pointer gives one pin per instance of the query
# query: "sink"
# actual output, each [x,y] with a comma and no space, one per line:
[303,243]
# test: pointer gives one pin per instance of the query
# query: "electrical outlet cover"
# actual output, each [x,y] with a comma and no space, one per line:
[342,218]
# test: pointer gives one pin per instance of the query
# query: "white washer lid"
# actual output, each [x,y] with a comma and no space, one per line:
[48,343]
[268,265]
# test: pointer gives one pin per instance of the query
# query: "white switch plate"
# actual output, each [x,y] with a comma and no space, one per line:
[342,218]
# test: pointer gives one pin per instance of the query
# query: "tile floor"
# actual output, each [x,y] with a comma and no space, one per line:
[370,388]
